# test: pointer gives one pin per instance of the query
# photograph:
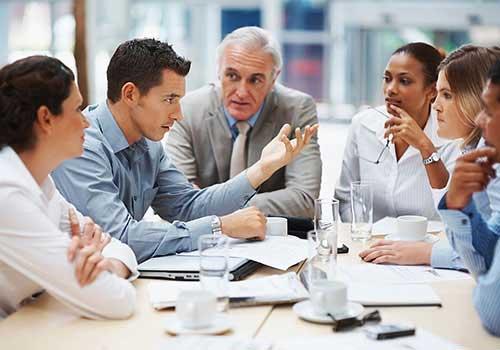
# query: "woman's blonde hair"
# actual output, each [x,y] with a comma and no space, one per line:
[466,70]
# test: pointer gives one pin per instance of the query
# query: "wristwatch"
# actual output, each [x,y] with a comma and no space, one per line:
[216,225]
[434,158]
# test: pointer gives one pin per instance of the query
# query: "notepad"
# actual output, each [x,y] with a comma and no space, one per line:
[396,274]
[275,289]
[393,294]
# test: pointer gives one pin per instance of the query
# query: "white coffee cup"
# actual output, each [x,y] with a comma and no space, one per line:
[276,226]
[329,296]
[196,308]
[411,227]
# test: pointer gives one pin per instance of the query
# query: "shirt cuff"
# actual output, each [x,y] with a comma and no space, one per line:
[117,250]
[457,222]
[197,228]
[243,184]
[438,195]
[443,256]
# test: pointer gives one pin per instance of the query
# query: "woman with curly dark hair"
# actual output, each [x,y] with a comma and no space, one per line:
[42,245]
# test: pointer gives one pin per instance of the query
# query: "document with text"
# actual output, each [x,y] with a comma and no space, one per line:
[280,252]
[275,289]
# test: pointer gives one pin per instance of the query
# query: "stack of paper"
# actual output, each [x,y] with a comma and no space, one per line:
[394,285]
[279,252]
[276,289]
[393,294]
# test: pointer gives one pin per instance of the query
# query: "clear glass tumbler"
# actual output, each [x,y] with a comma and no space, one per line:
[322,256]
[214,267]
[361,211]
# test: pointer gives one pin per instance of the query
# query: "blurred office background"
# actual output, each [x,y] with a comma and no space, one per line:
[334,50]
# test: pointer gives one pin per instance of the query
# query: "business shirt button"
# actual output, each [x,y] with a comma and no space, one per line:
[464,221]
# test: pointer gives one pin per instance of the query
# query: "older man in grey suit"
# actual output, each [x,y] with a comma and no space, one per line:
[226,125]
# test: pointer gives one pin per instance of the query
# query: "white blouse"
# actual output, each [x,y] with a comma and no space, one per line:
[34,239]
[399,187]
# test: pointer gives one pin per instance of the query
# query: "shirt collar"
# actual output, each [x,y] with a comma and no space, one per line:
[18,172]
[114,135]
[110,129]
[252,120]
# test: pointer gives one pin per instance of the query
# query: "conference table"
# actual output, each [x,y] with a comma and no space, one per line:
[47,324]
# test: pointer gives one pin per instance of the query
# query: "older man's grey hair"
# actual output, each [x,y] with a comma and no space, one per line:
[252,38]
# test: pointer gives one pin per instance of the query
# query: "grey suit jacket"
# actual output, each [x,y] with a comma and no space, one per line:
[201,145]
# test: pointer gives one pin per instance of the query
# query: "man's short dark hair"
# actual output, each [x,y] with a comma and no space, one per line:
[25,86]
[142,61]
[494,75]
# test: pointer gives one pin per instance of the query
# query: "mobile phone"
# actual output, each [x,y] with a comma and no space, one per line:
[388,331]
[342,249]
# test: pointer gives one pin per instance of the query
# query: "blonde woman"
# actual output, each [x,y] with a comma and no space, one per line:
[461,79]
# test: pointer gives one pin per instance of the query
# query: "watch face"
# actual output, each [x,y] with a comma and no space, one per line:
[435,157]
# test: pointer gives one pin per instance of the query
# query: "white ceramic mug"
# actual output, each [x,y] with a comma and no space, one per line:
[329,296]
[196,308]
[276,226]
[411,227]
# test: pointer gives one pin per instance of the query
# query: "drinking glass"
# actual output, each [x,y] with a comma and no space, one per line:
[326,214]
[361,210]
[322,256]
[214,267]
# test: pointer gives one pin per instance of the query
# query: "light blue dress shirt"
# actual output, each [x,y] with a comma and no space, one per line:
[232,122]
[488,205]
[472,238]
[114,183]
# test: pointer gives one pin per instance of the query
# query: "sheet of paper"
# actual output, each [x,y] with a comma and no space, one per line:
[395,274]
[388,225]
[279,252]
[271,288]
[354,340]
[357,340]
[392,294]
[214,343]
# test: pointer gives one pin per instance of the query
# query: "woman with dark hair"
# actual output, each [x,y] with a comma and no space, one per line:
[42,245]
[402,171]
[461,80]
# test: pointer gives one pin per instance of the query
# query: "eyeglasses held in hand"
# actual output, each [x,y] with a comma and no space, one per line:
[377,161]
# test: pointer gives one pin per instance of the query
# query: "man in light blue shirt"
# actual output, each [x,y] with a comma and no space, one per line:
[473,235]
[124,169]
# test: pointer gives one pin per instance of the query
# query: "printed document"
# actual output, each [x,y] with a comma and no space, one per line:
[273,289]
[280,252]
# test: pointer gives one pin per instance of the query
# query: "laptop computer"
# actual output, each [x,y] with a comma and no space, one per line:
[187,268]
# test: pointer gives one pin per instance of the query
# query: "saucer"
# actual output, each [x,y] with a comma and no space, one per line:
[429,238]
[305,311]
[222,324]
